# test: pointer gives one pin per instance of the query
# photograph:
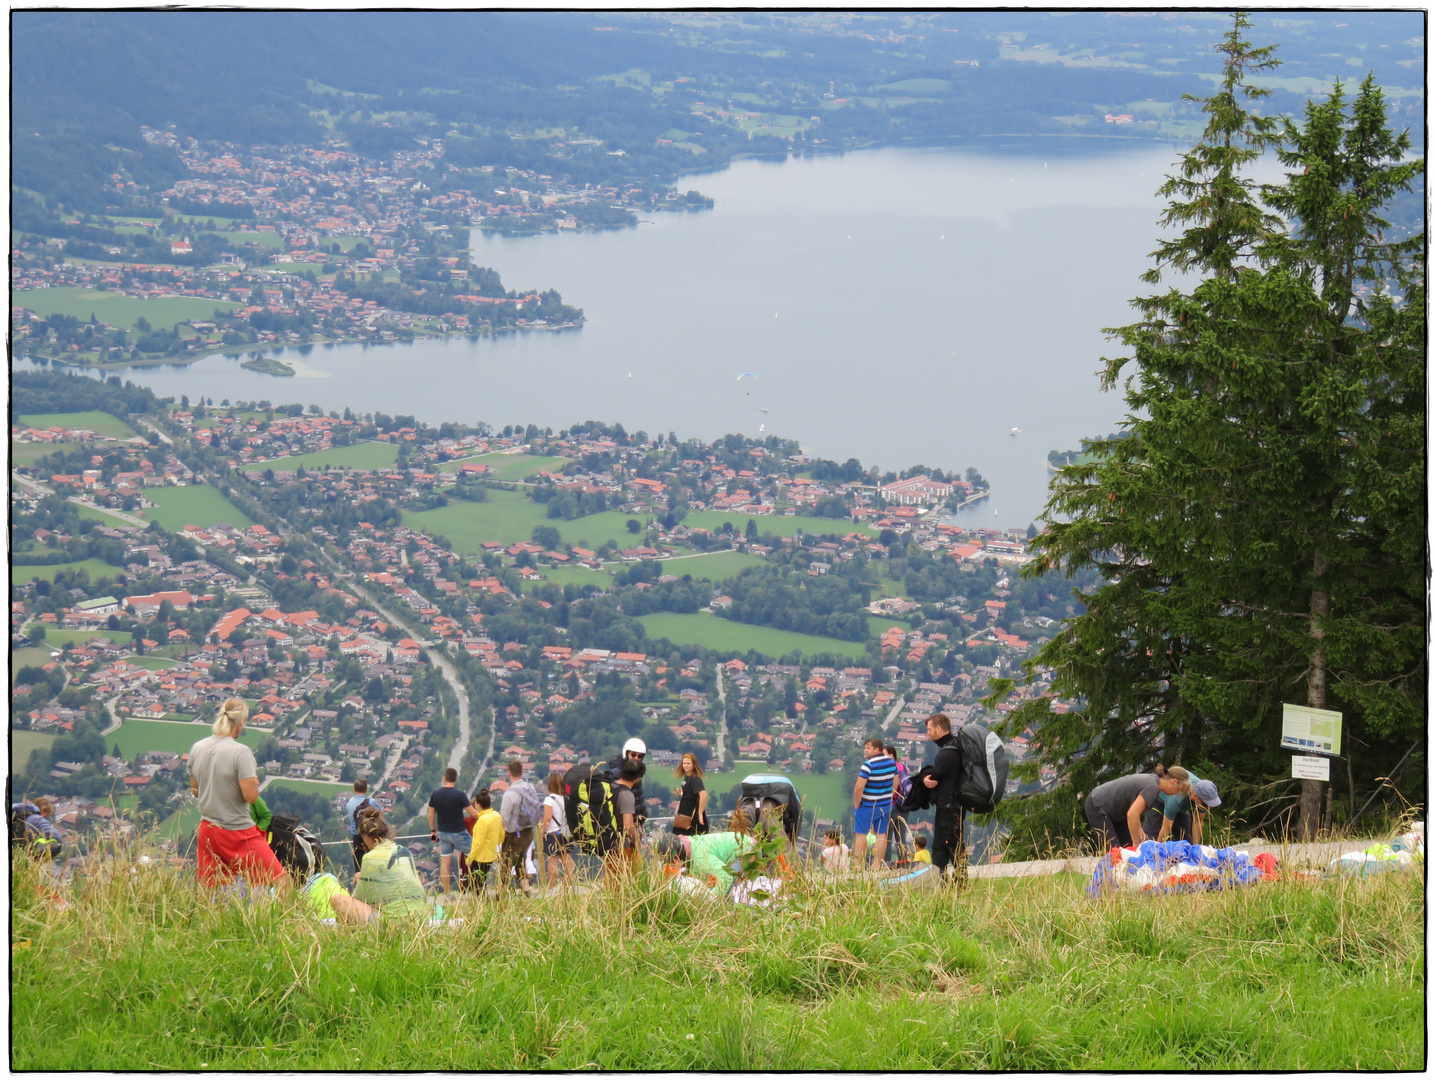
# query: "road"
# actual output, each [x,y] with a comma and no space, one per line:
[489,753]
[896,712]
[151,427]
[722,721]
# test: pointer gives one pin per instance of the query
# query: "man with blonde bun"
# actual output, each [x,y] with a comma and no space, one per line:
[225,780]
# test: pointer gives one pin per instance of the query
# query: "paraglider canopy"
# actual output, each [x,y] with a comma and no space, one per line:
[761,792]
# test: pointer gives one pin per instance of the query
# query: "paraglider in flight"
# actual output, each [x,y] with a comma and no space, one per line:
[746,375]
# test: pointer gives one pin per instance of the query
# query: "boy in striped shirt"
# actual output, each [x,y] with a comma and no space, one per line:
[872,802]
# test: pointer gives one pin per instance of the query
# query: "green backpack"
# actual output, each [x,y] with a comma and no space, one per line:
[588,804]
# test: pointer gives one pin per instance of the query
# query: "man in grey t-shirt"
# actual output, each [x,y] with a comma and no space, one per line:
[1114,809]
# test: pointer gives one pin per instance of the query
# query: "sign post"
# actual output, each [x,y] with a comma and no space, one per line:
[1311,731]
[1310,768]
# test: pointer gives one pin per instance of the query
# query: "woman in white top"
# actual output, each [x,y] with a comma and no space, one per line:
[555,832]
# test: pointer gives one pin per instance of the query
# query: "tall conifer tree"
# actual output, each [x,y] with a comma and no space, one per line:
[1261,529]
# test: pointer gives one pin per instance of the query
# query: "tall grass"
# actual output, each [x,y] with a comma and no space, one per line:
[141,970]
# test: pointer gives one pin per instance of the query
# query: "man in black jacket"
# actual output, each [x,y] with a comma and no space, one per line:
[633,750]
[947,816]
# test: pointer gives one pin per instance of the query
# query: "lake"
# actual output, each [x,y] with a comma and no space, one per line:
[901,306]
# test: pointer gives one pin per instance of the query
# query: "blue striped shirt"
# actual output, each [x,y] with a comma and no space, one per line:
[880,772]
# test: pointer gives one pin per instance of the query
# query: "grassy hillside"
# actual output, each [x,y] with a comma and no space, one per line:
[193,504]
[1010,975]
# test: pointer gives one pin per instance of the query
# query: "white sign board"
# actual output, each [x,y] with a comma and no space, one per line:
[1310,768]
[1311,731]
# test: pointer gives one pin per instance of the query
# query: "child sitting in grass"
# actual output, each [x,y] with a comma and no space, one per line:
[920,853]
[835,852]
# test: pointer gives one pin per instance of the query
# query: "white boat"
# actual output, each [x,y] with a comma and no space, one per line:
[760,429]
[1015,431]
[762,410]
[630,374]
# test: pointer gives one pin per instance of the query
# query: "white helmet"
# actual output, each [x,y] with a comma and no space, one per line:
[635,746]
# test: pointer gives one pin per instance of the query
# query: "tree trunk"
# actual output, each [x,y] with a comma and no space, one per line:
[1310,818]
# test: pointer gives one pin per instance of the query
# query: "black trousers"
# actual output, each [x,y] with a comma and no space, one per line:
[357,842]
[1181,825]
[1110,832]
[946,836]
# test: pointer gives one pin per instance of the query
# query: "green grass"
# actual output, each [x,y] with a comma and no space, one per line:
[364,455]
[22,745]
[193,504]
[140,736]
[182,823]
[97,568]
[30,656]
[310,787]
[577,575]
[117,309]
[150,663]
[724,635]
[1026,975]
[91,513]
[59,638]
[715,566]
[506,517]
[101,423]
[778,525]
[27,453]
[508,466]
[267,240]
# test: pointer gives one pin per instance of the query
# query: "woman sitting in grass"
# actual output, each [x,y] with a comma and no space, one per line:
[388,884]
[712,858]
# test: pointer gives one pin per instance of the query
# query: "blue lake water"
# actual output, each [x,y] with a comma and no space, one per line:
[901,306]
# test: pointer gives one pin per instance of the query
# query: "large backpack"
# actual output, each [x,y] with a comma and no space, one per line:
[982,775]
[588,805]
[530,809]
[297,849]
[902,787]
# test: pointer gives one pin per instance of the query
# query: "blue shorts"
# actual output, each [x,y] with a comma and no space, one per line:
[455,843]
[872,817]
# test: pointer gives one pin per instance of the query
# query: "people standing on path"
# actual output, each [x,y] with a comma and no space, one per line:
[872,802]
[692,816]
[947,840]
[1115,809]
[224,779]
[446,824]
[1178,816]
[633,750]
[488,837]
[555,832]
[388,883]
[521,809]
[357,801]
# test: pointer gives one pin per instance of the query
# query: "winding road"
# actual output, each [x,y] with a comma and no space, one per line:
[722,721]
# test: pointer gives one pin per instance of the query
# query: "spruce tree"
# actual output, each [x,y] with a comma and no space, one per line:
[1260,531]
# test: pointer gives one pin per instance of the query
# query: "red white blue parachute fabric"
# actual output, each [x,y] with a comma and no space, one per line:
[1172,867]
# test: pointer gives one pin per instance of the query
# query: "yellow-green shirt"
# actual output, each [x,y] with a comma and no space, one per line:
[389,882]
[488,835]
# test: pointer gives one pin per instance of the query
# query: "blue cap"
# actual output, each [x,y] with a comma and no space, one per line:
[1207,792]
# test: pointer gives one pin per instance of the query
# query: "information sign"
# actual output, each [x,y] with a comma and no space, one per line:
[1310,768]
[1311,731]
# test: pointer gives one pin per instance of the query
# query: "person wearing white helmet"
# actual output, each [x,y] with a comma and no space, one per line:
[633,750]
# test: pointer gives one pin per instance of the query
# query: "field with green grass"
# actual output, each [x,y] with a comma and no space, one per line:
[22,745]
[509,467]
[91,513]
[506,517]
[139,736]
[364,455]
[30,656]
[117,309]
[150,663]
[1007,975]
[193,504]
[59,638]
[27,453]
[577,575]
[723,635]
[309,787]
[96,568]
[777,524]
[270,241]
[715,566]
[101,423]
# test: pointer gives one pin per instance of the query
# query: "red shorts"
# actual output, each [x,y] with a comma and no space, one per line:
[224,854]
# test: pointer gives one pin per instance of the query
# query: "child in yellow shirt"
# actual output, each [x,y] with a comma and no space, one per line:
[920,853]
[488,835]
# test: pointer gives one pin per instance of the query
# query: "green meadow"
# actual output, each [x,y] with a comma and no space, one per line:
[27,453]
[96,568]
[118,309]
[30,656]
[150,663]
[139,736]
[364,455]
[101,423]
[509,467]
[778,524]
[723,635]
[193,504]
[309,787]
[508,517]
[1006,975]
[715,566]
[22,745]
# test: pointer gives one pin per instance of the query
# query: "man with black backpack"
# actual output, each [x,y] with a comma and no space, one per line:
[947,813]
